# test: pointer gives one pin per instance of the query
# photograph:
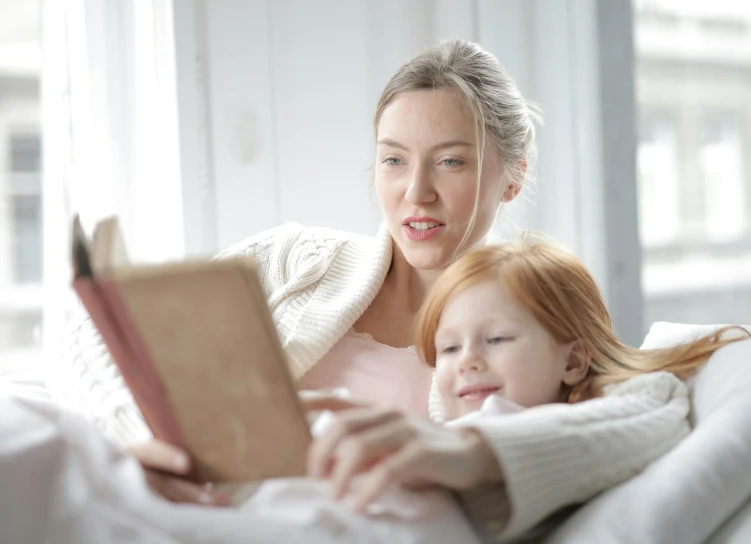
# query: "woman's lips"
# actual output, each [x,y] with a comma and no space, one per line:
[420,235]
[419,228]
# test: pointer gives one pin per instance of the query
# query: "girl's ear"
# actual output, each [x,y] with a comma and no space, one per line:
[577,363]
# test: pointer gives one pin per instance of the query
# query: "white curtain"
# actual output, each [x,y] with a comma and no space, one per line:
[111,142]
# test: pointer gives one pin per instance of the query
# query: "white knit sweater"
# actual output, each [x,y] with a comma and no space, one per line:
[319,282]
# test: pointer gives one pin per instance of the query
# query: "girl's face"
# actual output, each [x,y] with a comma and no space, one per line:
[426,176]
[486,343]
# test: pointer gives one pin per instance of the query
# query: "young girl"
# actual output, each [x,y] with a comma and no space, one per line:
[522,325]
[527,322]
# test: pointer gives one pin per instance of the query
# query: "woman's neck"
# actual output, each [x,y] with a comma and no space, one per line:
[410,284]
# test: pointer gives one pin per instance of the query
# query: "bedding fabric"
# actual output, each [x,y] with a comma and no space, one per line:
[736,530]
[62,482]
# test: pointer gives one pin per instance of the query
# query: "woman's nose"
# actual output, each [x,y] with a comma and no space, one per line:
[421,190]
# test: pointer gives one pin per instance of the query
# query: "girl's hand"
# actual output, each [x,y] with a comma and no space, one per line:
[166,467]
[388,446]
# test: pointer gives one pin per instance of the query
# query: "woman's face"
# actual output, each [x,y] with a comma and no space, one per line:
[426,176]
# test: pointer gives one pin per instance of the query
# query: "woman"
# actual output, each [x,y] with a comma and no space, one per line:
[454,137]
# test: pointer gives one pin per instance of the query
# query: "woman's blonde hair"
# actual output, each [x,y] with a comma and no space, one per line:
[500,111]
[556,287]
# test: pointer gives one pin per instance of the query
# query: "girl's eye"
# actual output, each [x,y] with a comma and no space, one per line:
[498,339]
[392,161]
[452,163]
[450,349]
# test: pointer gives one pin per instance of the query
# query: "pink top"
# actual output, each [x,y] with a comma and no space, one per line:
[374,372]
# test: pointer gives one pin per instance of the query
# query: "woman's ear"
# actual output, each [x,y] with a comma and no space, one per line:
[577,363]
[515,187]
[511,192]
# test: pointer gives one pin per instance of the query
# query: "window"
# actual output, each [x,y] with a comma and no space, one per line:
[21,249]
[25,197]
[21,317]
[721,168]
[693,75]
[659,184]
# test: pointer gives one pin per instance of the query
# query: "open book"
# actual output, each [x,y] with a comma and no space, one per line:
[195,343]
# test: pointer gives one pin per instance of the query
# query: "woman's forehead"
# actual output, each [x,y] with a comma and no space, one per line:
[426,116]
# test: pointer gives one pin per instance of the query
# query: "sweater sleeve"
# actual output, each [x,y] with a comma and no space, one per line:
[86,379]
[558,455]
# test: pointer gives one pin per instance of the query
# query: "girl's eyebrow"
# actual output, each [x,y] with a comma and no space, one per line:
[505,321]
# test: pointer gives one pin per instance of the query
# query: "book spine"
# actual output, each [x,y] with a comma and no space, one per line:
[102,300]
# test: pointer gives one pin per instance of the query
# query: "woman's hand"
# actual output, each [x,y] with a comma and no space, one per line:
[165,467]
[317,402]
[387,446]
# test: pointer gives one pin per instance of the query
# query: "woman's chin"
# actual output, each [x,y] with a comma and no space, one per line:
[426,257]
[427,260]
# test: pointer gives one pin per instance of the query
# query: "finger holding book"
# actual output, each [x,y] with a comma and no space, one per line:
[166,468]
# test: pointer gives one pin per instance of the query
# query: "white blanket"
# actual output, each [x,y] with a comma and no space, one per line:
[62,482]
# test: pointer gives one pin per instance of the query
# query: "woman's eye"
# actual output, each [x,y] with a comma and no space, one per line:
[498,339]
[392,161]
[450,349]
[452,163]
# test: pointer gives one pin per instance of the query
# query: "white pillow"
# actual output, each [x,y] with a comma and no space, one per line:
[663,334]
[737,530]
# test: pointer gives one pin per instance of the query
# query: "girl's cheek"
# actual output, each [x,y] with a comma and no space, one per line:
[445,385]
[443,375]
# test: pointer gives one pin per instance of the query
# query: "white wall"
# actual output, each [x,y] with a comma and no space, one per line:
[288,99]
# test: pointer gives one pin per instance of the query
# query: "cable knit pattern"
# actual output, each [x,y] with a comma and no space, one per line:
[318,283]
[89,383]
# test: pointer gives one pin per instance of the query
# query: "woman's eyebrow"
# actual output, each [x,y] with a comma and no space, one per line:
[443,145]
[392,143]
[453,143]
